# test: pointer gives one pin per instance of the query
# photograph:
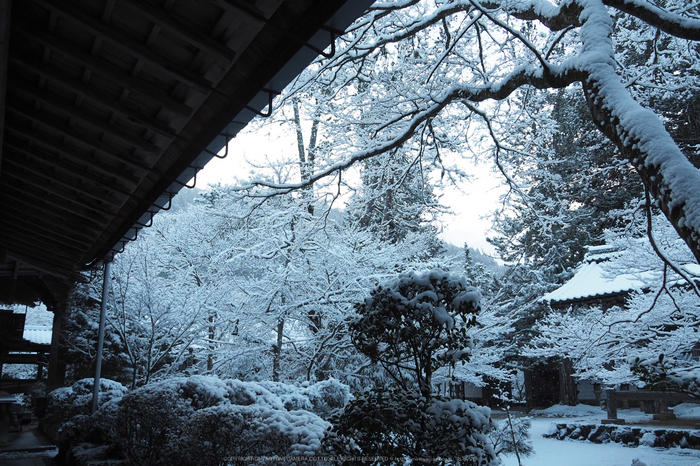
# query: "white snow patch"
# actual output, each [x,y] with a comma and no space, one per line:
[550,452]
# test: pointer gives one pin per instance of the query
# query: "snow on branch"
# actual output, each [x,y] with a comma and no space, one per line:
[671,23]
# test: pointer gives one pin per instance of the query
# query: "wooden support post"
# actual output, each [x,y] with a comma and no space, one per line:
[56,369]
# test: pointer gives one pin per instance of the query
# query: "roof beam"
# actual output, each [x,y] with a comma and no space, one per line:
[108,71]
[59,224]
[133,48]
[53,257]
[71,111]
[238,6]
[39,155]
[93,215]
[105,197]
[6,256]
[49,235]
[66,130]
[162,19]
[83,161]
[78,87]
[59,192]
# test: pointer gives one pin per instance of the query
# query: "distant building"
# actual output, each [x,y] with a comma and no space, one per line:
[594,285]
[20,344]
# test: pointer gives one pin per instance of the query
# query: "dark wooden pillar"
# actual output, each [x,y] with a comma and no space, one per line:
[57,369]
[568,391]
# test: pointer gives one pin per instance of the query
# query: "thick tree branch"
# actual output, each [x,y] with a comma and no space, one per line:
[641,137]
[496,91]
[553,17]
[671,23]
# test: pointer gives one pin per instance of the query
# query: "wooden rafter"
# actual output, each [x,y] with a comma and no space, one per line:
[112,73]
[126,44]
[83,163]
[49,221]
[65,129]
[78,87]
[5,16]
[85,118]
[162,19]
[58,193]
[37,156]
[45,175]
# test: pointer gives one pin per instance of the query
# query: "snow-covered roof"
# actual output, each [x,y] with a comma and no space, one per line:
[591,280]
[600,253]
[40,335]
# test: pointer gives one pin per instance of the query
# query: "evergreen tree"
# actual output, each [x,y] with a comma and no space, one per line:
[575,188]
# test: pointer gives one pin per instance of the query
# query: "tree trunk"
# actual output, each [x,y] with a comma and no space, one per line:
[212,346]
[277,351]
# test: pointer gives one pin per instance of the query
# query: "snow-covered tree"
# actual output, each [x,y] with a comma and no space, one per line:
[417,324]
[461,63]
[412,327]
[159,305]
[571,187]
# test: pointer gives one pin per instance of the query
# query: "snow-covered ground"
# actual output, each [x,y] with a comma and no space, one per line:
[550,452]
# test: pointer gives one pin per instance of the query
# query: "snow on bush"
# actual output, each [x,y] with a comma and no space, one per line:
[206,421]
[567,411]
[668,373]
[291,397]
[417,324]
[648,439]
[255,432]
[73,404]
[247,393]
[512,437]
[394,426]
[412,327]
[327,397]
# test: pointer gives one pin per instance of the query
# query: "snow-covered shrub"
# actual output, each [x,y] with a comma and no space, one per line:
[417,324]
[250,435]
[248,393]
[412,327]
[668,373]
[394,425]
[64,404]
[202,420]
[327,397]
[151,420]
[291,396]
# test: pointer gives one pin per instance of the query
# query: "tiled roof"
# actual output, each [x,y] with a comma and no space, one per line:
[594,280]
[591,280]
